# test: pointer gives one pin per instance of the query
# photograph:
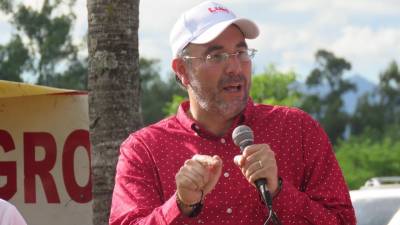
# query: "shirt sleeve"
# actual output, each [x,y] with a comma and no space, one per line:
[324,196]
[137,196]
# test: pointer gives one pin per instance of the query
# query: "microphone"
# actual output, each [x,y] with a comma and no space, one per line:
[242,137]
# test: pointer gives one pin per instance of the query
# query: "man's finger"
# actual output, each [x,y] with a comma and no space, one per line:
[188,181]
[250,150]
[206,160]
[215,173]
[239,160]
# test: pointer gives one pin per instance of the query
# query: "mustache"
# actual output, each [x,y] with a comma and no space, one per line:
[226,80]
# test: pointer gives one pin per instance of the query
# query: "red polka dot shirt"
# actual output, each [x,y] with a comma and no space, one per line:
[313,188]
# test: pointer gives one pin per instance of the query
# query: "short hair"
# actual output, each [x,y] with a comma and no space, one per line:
[181,54]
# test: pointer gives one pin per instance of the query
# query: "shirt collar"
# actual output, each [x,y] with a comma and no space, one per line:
[191,125]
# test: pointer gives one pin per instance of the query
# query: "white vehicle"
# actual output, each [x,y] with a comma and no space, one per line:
[378,202]
[395,219]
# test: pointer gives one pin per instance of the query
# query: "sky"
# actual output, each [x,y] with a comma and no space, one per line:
[364,32]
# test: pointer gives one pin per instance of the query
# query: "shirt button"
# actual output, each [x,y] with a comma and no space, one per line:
[223,140]
[226,174]
[229,210]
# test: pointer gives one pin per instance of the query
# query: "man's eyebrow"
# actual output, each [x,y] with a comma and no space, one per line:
[213,48]
[219,47]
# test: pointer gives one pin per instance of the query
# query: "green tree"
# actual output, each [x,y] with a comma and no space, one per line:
[328,108]
[362,158]
[373,149]
[172,106]
[51,55]
[5,5]
[379,111]
[368,117]
[275,88]
[155,93]
[389,87]
[14,59]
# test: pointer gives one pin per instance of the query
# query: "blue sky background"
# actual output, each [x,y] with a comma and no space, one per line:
[365,32]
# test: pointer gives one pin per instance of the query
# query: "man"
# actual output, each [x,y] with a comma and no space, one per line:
[9,215]
[187,170]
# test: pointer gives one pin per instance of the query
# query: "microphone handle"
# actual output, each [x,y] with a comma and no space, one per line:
[261,183]
[264,192]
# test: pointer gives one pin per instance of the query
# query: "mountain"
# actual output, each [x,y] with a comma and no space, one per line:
[350,98]
[363,86]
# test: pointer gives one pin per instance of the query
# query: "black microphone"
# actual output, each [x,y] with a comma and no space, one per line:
[242,137]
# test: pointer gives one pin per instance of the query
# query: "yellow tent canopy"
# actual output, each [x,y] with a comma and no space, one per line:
[10,89]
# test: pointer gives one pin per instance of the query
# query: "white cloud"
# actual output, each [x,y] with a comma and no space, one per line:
[278,37]
[290,38]
[299,5]
[150,48]
[368,45]
[370,7]
[291,31]
[364,40]
[159,16]
[5,29]
[34,4]
[329,19]
[369,49]
[80,26]
[288,47]
[374,7]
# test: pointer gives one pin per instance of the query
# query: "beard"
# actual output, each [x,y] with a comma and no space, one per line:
[211,99]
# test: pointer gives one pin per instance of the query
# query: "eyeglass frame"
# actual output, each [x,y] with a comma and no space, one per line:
[225,57]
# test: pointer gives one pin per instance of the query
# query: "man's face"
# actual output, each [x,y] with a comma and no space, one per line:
[221,88]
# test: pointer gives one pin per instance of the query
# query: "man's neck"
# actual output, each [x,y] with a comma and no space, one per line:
[212,122]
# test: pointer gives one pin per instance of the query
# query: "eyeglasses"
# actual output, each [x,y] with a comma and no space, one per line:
[220,58]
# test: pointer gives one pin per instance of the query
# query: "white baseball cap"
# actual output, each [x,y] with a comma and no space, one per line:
[204,22]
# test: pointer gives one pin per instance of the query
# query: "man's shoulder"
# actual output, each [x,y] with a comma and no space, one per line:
[278,110]
[158,128]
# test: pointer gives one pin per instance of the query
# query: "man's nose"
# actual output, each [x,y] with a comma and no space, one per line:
[233,65]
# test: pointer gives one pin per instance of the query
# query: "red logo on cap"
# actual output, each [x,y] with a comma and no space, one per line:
[218,9]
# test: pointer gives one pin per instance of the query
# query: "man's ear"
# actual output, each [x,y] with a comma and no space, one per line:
[180,69]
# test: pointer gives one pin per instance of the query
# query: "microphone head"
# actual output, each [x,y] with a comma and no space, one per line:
[243,136]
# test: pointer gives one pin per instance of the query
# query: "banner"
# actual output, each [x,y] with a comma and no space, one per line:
[45,154]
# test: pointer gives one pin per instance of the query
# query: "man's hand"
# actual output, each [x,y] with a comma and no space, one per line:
[200,173]
[258,161]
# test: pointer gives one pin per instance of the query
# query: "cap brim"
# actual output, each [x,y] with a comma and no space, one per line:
[249,29]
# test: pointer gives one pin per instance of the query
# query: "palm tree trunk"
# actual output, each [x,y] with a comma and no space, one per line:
[113,91]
